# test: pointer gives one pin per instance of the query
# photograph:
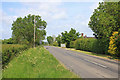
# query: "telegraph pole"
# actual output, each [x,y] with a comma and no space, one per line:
[34,31]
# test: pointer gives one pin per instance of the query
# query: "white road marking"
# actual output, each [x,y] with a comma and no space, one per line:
[96,63]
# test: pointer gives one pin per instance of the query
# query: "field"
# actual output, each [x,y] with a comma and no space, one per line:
[36,63]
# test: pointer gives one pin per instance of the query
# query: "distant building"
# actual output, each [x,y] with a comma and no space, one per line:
[63,45]
[82,35]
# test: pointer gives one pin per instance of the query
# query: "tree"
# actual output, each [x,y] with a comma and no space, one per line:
[8,41]
[23,29]
[58,39]
[50,39]
[68,37]
[104,22]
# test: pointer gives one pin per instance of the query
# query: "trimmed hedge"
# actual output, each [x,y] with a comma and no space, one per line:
[55,44]
[85,44]
[89,44]
[9,51]
[72,44]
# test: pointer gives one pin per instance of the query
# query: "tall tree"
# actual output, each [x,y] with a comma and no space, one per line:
[67,37]
[58,39]
[50,39]
[23,29]
[104,22]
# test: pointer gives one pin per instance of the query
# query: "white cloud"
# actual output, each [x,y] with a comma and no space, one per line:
[52,12]
[5,25]
[95,5]
[48,10]
[54,0]
[61,15]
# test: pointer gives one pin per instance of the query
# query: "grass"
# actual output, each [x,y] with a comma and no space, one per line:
[94,54]
[9,51]
[36,63]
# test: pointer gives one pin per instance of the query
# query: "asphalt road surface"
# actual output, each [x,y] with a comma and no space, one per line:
[86,66]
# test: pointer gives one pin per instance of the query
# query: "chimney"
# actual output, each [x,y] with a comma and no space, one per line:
[82,34]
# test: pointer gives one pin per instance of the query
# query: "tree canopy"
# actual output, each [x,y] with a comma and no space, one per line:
[23,29]
[104,20]
[67,37]
[50,39]
[58,39]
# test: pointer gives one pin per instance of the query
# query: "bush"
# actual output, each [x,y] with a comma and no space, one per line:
[10,50]
[90,44]
[55,44]
[72,44]
[114,44]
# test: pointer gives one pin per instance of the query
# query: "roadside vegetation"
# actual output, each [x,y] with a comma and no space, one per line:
[36,63]
[22,36]
[21,60]
[105,24]
[9,51]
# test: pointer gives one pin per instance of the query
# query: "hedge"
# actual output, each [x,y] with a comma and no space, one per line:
[9,51]
[55,44]
[72,44]
[89,44]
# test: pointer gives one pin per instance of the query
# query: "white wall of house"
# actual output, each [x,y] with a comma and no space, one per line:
[63,45]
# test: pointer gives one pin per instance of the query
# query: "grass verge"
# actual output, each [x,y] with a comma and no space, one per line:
[94,54]
[36,63]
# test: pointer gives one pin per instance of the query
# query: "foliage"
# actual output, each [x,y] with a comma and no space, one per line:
[7,41]
[50,39]
[113,44]
[89,44]
[72,44]
[58,39]
[84,44]
[104,22]
[41,64]
[23,29]
[67,37]
[10,50]
[55,43]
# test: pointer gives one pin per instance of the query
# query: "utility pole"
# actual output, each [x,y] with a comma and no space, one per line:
[34,31]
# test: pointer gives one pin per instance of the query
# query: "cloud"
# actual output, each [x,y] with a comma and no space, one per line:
[53,0]
[95,5]
[6,24]
[61,15]
[57,18]
[48,10]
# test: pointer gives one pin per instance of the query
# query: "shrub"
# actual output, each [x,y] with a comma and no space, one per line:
[72,44]
[55,44]
[113,44]
[10,50]
[90,44]
[84,44]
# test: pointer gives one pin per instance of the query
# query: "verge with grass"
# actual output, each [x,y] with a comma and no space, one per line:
[94,54]
[9,51]
[36,63]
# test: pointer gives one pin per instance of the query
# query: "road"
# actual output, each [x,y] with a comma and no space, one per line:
[85,66]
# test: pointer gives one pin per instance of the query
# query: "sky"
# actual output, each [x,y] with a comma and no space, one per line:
[60,15]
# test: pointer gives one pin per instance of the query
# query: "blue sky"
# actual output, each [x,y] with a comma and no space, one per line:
[60,16]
